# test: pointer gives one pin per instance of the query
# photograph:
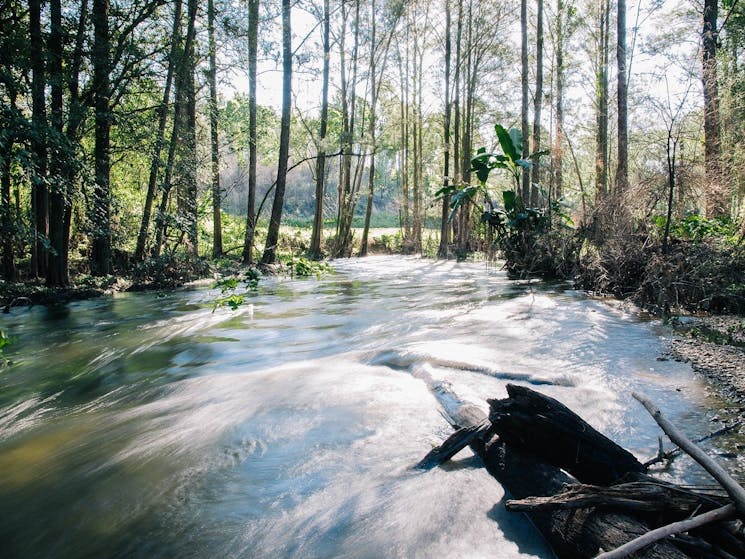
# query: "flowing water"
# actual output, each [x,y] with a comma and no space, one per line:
[146,425]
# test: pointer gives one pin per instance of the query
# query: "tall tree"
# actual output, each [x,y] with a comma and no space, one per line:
[253,35]
[39,190]
[155,162]
[622,172]
[189,154]
[442,251]
[538,100]
[272,237]
[558,151]
[214,145]
[716,198]
[315,240]
[525,127]
[57,274]
[601,93]
[101,245]
[372,79]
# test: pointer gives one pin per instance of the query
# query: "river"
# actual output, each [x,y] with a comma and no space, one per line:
[147,425]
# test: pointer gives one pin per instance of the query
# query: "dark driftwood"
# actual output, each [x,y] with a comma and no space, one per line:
[454,444]
[532,421]
[638,496]
[577,534]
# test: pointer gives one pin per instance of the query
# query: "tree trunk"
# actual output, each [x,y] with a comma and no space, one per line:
[272,237]
[155,163]
[525,97]
[622,172]
[39,191]
[315,242]
[442,252]
[57,275]
[253,37]
[76,115]
[558,155]
[214,146]
[601,136]
[189,163]
[101,244]
[373,102]
[716,197]
[457,126]
[537,102]
[6,211]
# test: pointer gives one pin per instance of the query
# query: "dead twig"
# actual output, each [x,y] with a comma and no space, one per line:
[662,532]
[733,489]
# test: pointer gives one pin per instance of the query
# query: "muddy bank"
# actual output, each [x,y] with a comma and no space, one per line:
[715,347]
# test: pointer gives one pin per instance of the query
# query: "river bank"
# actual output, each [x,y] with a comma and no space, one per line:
[715,348]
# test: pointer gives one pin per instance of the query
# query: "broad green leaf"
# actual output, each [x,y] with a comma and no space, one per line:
[506,143]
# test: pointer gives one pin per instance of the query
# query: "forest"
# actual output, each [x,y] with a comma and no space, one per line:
[151,134]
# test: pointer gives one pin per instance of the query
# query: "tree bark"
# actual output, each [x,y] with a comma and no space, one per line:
[716,198]
[525,127]
[622,172]
[272,238]
[39,190]
[253,35]
[372,80]
[442,251]
[537,104]
[101,244]
[189,162]
[155,163]
[57,275]
[317,233]
[214,145]
[558,153]
[601,134]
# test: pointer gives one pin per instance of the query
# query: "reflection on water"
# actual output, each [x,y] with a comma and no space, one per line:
[148,426]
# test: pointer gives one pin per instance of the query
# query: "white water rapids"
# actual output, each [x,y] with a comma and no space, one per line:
[146,425]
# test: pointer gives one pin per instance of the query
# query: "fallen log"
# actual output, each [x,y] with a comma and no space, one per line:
[640,496]
[535,422]
[534,445]
[578,534]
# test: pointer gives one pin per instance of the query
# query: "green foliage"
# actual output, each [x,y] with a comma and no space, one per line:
[301,266]
[227,286]
[695,227]
[5,341]
[532,240]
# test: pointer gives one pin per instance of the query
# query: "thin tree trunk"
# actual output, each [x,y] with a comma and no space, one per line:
[155,163]
[6,211]
[272,238]
[558,155]
[457,113]
[101,245]
[57,275]
[716,199]
[442,251]
[622,172]
[214,146]
[190,139]
[75,118]
[39,191]
[525,96]
[315,242]
[537,102]
[601,139]
[371,129]
[253,35]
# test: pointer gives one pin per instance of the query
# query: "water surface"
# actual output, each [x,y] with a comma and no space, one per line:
[146,425]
